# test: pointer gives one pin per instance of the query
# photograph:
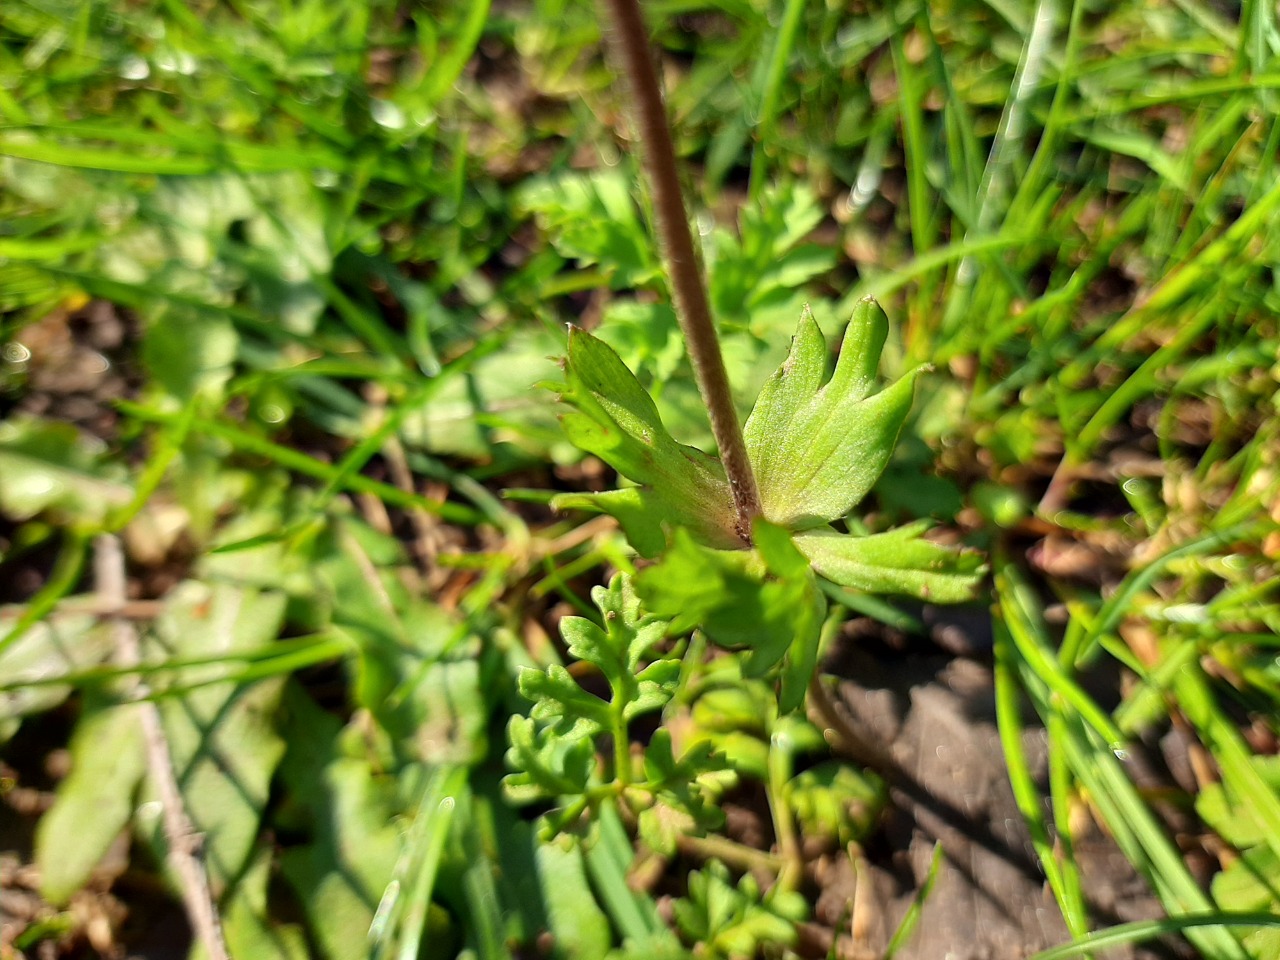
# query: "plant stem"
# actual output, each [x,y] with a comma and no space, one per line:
[737,855]
[630,41]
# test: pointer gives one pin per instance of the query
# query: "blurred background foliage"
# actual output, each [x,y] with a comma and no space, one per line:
[277,280]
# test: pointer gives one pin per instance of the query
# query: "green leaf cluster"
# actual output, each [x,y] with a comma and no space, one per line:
[553,752]
[765,601]
[756,276]
[593,220]
[730,921]
[817,445]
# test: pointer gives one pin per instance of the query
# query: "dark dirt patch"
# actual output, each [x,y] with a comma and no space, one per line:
[926,722]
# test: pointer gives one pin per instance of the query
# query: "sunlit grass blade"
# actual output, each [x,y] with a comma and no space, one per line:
[607,863]
[783,43]
[1061,873]
[166,677]
[1140,930]
[1119,603]
[62,580]
[405,919]
[911,918]
[1094,762]
[309,466]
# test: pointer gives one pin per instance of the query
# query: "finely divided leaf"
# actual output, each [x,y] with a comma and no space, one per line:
[631,633]
[545,765]
[558,699]
[552,751]
[898,561]
[817,450]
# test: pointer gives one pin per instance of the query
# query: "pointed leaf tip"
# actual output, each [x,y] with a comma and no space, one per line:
[859,361]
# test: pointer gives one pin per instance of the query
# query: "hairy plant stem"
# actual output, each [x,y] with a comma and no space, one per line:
[631,43]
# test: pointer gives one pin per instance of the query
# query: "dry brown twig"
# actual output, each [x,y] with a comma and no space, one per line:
[183,840]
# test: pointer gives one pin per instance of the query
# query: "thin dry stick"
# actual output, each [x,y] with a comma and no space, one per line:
[630,40]
[180,834]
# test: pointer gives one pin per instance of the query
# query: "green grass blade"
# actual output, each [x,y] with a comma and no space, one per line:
[1093,761]
[1120,603]
[1062,876]
[62,580]
[311,467]
[1141,930]
[783,43]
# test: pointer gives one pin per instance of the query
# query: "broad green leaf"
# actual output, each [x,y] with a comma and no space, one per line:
[61,644]
[419,670]
[491,404]
[784,395]
[716,590]
[450,712]
[817,450]
[797,588]
[898,561]
[47,465]
[190,352]
[222,736]
[644,518]
[616,420]
[1237,822]
[802,655]
[349,814]
[1249,883]
[580,927]
[94,802]
[247,919]
[778,551]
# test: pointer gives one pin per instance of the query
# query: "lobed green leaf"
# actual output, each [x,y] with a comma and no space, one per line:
[817,450]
